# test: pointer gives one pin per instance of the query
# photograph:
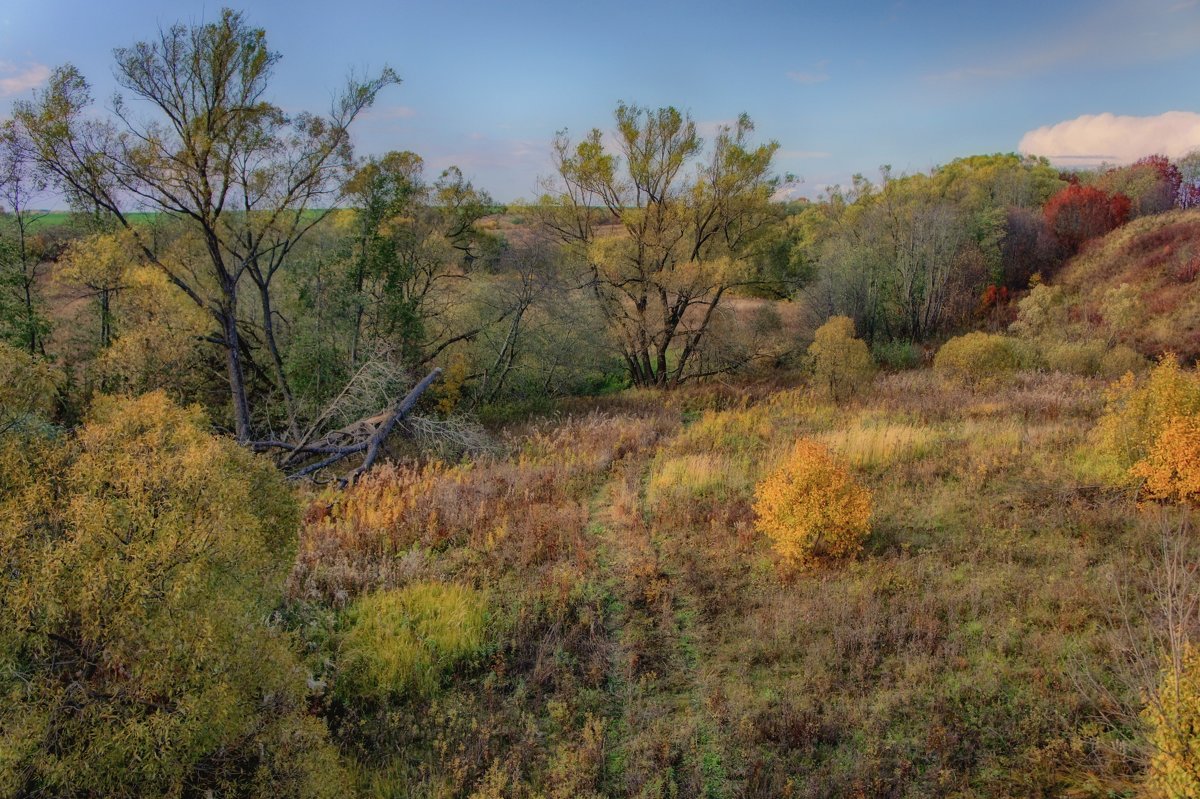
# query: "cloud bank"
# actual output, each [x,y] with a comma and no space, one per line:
[1108,138]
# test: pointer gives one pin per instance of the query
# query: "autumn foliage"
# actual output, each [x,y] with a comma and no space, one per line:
[1171,470]
[812,508]
[1174,716]
[1080,213]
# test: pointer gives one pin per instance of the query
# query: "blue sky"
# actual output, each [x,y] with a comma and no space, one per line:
[842,86]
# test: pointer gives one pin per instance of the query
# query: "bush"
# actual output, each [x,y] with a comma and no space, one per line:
[139,566]
[1082,358]
[1121,360]
[1172,467]
[979,360]
[1136,414]
[897,355]
[1174,718]
[812,508]
[403,640]
[839,360]
[1043,310]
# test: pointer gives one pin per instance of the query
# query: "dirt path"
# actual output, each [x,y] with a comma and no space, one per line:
[655,685]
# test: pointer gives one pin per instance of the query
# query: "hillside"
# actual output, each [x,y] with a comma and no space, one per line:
[1159,257]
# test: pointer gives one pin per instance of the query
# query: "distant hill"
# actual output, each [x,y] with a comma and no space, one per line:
[1159,257]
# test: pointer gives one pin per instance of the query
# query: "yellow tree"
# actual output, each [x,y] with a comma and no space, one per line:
[666,228]
[97,264]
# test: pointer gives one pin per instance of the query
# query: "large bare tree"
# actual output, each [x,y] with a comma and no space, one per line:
[194,137]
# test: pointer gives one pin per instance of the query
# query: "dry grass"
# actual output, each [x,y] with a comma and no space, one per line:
[646,643]
[1160,256]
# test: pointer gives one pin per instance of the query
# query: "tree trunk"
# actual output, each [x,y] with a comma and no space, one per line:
[289,402]
[237,377]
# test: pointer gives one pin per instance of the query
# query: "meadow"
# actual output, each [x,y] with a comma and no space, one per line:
[644,640]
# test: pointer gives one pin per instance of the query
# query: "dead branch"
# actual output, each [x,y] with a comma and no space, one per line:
[365,435]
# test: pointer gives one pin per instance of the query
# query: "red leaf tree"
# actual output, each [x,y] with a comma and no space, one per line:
[1079,213]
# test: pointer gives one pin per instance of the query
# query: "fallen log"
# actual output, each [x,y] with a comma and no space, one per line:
[379,426]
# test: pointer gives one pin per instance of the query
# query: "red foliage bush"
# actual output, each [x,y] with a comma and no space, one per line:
[993,297]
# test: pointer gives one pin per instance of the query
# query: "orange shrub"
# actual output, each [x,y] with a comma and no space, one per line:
[1172,467]
[812,508]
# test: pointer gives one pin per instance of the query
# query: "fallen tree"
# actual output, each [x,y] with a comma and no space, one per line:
[365,436]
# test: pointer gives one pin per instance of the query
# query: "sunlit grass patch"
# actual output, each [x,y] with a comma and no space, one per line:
[698,476]
[869,444]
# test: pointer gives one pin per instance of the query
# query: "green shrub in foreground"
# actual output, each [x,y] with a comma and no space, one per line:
[403,640]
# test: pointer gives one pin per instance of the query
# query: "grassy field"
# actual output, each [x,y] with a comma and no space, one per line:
[645,641]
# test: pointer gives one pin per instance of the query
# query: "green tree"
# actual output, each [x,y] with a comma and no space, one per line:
[666,229]
[244,176]
[410,238]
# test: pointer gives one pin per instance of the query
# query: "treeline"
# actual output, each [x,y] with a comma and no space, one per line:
[916,257]
[234,255]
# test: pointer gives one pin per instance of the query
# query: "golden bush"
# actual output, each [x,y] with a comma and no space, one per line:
[1174,718]
[812,508]
[840,362]
[977,360]
[1171,470]
[1137,413]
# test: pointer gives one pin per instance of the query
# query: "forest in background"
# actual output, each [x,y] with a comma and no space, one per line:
[322,475]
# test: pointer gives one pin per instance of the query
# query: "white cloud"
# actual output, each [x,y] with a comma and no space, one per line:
[1097,138]
[15,79]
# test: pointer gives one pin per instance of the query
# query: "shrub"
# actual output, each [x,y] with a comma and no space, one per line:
[1174,718]
[1043,310]
[812,508]
[839,360]
[1120,360]
[1171,469]
[1074,357]
[140,563]
[403,640]
[978,360]
[897,355]
[1136,414]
